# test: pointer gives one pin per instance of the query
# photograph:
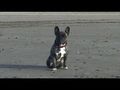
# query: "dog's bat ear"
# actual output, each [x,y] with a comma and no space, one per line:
[56,30]
[67,30]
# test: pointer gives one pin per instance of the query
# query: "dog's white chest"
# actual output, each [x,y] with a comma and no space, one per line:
[62,51]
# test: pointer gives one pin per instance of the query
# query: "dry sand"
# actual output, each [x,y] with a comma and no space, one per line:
[94,46]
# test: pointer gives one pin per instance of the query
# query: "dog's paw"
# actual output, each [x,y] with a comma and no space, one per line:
[54,69]
[66,68]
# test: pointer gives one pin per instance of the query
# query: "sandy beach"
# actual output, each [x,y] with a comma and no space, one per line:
[26,39]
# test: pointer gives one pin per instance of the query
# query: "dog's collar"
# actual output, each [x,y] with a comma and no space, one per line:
[62,45]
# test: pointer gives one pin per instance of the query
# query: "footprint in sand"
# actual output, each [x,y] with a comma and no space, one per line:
[2,49]
[76,69]
[8,37]
[97,70]
[42,42]
[84,62]
[113,48]
[105,41]
[89,57]
[101,54]
[1,35]
[118,50]
[77,59]
[83,40]
[76,76]
[16,37]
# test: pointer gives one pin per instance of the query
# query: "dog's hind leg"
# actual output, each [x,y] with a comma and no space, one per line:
[51,63]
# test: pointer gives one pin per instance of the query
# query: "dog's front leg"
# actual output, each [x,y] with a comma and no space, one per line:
[64,63]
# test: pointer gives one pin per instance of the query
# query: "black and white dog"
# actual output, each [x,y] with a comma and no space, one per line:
[59,51]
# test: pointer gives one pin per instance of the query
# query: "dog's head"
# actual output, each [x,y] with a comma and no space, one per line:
[61,36]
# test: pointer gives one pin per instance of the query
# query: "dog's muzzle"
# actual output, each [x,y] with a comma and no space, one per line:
[63,44]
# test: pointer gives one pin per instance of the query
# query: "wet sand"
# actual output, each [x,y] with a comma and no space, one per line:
[94,48]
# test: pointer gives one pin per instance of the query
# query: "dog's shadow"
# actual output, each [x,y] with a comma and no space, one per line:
[16,66]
